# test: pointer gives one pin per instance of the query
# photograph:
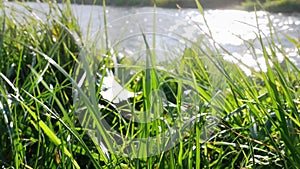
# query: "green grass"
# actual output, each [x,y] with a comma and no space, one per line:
[287,6]
[258,115]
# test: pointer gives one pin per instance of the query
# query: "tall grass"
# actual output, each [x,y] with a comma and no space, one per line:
[258,116]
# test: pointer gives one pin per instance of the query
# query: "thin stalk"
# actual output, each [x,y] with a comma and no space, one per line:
[105,24]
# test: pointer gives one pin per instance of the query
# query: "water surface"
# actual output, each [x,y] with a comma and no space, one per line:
[176,29]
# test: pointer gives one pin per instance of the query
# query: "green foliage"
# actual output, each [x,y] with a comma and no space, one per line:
[273,5]
[258,115]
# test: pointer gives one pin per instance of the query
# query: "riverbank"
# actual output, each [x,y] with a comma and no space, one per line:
[287,6]
[160,3]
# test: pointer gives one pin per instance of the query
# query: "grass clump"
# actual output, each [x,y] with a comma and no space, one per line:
[287,6]
[258,116]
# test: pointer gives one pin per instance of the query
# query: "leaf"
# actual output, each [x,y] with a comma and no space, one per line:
[199,6]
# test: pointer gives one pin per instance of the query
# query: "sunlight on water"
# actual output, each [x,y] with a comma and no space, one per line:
[226,25]
[232,29]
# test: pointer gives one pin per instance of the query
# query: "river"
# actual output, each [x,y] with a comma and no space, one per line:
[178,28]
